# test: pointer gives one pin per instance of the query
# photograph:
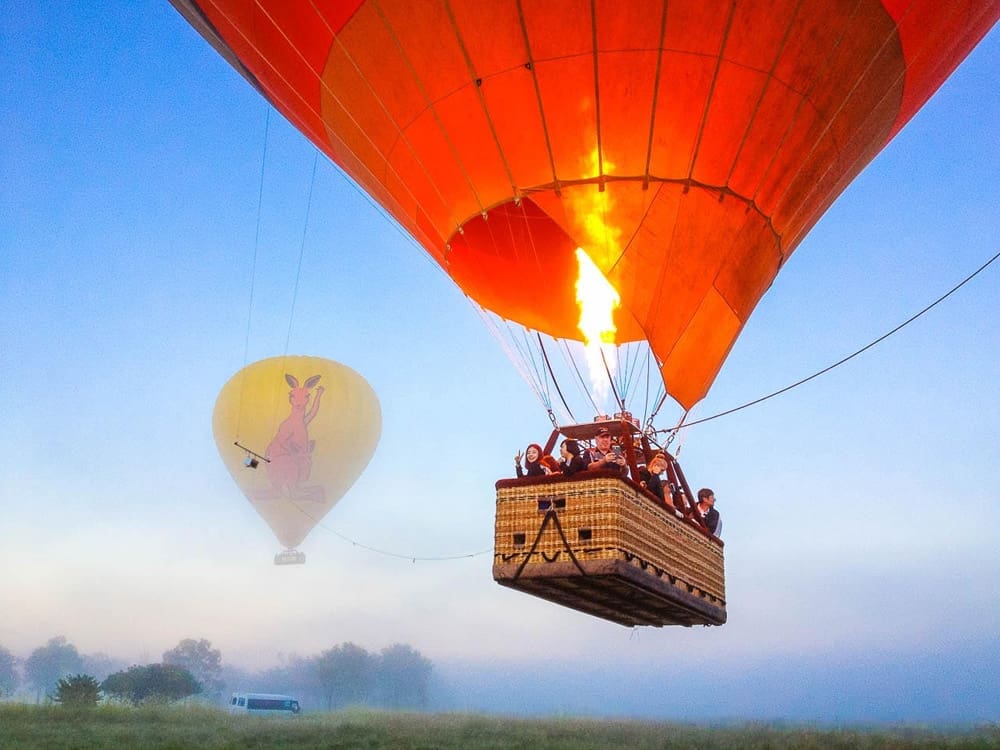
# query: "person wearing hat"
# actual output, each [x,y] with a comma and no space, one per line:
[571,461]
[602,457]
[706,506]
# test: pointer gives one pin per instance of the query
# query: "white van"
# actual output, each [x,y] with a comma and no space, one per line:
[263,703]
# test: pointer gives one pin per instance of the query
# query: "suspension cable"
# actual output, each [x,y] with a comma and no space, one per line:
[555,382]
[567,354]
[253,264]
[865,348]
[302,249]
[611,381]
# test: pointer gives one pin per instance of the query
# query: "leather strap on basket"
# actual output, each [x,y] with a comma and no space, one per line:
[551,515]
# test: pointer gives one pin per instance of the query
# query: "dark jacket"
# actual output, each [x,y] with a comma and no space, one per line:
[712,519]
[531,469]
[574,465]
[653,482]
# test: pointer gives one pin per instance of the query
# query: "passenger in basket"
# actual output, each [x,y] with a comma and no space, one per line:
[649,477]
[532,465]
[571,462]
[602,457]
[706,506]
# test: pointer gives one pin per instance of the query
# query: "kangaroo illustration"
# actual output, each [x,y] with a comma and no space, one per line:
[290,451]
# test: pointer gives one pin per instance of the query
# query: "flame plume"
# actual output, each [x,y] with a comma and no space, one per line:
[597,300]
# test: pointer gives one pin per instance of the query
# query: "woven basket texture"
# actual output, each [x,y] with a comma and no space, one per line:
[606,518]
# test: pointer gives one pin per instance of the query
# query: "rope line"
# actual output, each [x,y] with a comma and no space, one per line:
[863,349]
[253,264]
[580,380]
[387,553]
[554,381]
[302,249]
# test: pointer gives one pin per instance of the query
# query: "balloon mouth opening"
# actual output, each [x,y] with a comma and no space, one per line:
[520,263]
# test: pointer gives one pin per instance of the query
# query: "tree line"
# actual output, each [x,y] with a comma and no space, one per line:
[398,676]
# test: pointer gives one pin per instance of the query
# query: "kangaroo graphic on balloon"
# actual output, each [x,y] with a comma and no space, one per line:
[314,440]
[289,453]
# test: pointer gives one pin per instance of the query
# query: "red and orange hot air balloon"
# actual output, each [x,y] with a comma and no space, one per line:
[669,154]
[687,146]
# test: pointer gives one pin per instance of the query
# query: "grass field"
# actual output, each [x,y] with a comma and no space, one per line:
[53,727]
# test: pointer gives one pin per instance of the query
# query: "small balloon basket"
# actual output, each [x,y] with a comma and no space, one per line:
[598,543]
[290,557]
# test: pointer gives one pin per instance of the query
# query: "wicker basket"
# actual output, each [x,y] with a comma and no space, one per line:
[599,544]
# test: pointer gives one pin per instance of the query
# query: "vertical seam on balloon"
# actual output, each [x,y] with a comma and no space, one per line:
[896,126]
[323,137]
[538,95]
[489,231]
[760,99]
[711,90]
[656,93]
[431,109]
[597,95]
[531,236]
[888,90]
[805,99]
[972,30]
[476,81]
[656,297]
[893,34]
[400,138]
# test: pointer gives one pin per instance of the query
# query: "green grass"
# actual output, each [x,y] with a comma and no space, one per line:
[165,728]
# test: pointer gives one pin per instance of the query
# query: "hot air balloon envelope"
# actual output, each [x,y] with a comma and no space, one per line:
[295,433]
[687,146]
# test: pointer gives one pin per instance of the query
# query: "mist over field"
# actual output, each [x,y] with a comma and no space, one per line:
[888,687]
[876,688]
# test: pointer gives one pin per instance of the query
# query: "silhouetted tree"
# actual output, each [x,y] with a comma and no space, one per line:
[78,691]
[201,660]
[345,673]
[403,677]
[151,683]
[46,664]
[8,672]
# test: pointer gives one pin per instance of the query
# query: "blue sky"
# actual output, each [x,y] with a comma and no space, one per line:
[860,509]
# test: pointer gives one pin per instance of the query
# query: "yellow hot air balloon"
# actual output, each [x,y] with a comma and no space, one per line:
[295,433]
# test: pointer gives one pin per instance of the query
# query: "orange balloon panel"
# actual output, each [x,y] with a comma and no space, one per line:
[314,423]
[687,145]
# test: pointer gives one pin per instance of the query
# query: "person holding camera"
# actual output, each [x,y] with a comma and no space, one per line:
[602,456]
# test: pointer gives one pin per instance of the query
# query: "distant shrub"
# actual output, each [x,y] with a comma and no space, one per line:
[77,691]
[153,683]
